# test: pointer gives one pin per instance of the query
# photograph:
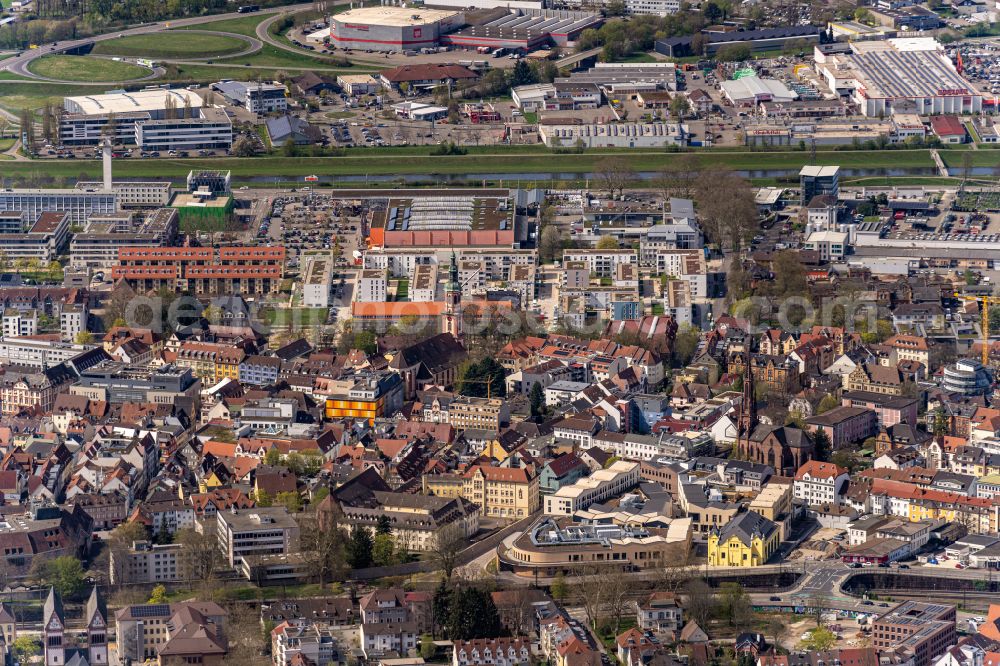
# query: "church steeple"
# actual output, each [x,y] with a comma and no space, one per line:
[97,629]
[748,405]
[53,626]
[453,300]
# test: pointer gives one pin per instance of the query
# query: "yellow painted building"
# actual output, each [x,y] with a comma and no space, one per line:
[502,492]
[748,540]
[443,485]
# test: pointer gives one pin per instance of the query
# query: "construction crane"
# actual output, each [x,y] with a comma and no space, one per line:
[984,308]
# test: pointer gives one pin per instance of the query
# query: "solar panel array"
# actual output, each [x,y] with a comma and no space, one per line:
[151,610]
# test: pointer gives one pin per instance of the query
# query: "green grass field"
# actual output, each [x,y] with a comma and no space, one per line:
[192,45]
[486,160]
[980,158]
[244,25]
[17,95]
[270,56]
[209,73]
[82,68]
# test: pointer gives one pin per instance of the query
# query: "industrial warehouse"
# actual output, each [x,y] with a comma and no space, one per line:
[391,28]
[401,29]
[899,75]
[524,30]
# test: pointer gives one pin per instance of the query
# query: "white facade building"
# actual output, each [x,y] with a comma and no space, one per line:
[598,487]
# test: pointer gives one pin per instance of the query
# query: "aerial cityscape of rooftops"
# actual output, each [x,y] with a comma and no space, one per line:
[500,333]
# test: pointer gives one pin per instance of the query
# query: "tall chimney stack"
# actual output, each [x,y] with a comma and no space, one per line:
[107,164]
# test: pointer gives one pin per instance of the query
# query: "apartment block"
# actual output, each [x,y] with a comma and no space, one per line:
[204,271]
[598,487]
[257,531]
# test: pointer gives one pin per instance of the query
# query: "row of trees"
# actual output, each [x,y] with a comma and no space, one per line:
[724,198]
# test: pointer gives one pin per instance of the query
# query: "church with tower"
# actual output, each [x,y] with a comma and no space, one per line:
[782,448]
[90,649]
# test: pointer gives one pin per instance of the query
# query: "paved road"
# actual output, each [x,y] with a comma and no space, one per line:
[19,64]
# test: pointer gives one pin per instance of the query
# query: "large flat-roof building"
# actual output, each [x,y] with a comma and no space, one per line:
[915,630]
[614,135]
[98,244]
[78,204]
[906,75]
[525,30]
[155,119]
[446,221]
[388,28]
[765,39]
[255,97]
[204,271]
[42,238]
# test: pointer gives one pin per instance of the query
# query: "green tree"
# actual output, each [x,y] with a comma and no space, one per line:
[483,378]
[549,244]
[272,458]
[472,614]
[537,399]
[522,74]
[295,463]
[263,498]
[736,606]
[733,53]
[820,639]
[365,341]
[158,595]
[383,550]
[359,548]
[558,587]
[685,345]
[65,574]
[84,338]
[941,427]
[821,445]
[679,106]
[608,243]
[828,402]
[427,647]
[384,525]
[290,500]
[25,647]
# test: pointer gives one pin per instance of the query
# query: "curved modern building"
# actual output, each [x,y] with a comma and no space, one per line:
[968,377]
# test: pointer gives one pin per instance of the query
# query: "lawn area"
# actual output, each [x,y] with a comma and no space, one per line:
[340,115]
[208,73]
[489,159]
[294,316]
[5,144]
[271,56]
[83,68]
[244,25]
[191,45]
[980,158]
[641,56]
[17,95]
